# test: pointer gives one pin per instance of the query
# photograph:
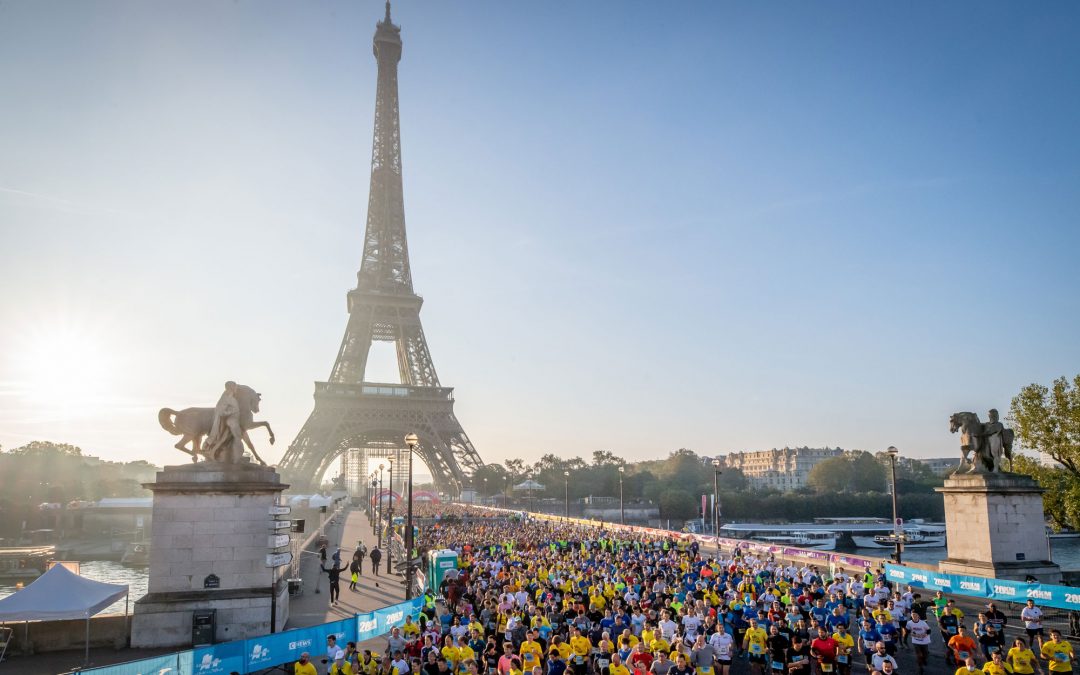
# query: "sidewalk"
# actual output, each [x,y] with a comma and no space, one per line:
[373,592]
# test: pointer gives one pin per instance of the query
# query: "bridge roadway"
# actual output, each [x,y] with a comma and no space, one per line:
[352,525]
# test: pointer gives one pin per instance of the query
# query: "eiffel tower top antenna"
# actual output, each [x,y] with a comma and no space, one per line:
[387,11]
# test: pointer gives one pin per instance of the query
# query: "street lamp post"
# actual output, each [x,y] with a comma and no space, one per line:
[898,532]
[566,494]
[371,498]
[622,507]
[716,502]
[390,519]
[379,510]
[412,441]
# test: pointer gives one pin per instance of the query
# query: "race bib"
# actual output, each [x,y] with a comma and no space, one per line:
[952,630]
[776,665]
[1061,657]
[826,667]
[963,654]
[841,658]
[704,671]
[797,658]
[755,648]
[579,660]
[724,652]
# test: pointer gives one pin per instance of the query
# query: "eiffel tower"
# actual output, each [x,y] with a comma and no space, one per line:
[354,415]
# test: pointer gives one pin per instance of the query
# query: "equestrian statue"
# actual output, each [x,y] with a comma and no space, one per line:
[224,426]
[983,445]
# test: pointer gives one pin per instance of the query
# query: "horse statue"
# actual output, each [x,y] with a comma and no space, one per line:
[983,445]
[193,424]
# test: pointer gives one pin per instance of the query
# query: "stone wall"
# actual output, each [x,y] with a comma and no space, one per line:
[107,630]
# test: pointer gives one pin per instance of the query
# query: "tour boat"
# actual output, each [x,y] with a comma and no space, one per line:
[24,562]
[914,537]
[821,540]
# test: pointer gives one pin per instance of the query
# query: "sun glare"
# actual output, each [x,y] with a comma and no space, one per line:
[63,369]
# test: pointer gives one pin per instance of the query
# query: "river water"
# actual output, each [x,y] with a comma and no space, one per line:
[109,572]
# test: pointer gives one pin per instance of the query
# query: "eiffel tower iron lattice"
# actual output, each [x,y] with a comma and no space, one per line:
[349,411]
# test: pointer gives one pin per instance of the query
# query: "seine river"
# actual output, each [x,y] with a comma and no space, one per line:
[1066,554]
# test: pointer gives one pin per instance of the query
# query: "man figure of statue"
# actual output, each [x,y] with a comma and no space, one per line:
[991,439]
[225,434]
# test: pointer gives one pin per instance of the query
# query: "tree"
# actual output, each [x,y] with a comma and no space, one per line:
[832,475]
[1047,419]
[491,479]
[678,505]
[42,448]
[1061,501]
[733,480]
[867,473]
[605,458]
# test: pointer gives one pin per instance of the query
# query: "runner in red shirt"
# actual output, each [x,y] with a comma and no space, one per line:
[823,649]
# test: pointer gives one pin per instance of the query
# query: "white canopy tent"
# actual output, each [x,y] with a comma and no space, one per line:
[529,485]
[61,594]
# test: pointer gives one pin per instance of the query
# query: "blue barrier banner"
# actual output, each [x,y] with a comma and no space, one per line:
[219,659]
[268,651]
[965,585]
[151,666]
[367,626]
[1047,595]
[389,617]
[271,650]
[1010,591]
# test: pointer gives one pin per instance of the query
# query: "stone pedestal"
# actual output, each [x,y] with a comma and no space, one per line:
[996,528]
[208,547]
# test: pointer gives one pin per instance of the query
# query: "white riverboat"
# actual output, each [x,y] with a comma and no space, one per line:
[821,540]
[913,537]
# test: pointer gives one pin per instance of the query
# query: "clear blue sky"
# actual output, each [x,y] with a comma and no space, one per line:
[637,226]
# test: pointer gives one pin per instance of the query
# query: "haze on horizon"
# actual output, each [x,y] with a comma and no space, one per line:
[636,226]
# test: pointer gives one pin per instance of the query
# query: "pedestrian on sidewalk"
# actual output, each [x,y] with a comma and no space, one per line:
[376,557]
[360,554]
[354,570]
[334,573]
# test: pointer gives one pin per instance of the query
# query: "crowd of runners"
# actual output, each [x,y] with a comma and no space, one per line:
[539,597]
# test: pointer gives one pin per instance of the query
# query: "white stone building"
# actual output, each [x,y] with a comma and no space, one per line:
[783,469]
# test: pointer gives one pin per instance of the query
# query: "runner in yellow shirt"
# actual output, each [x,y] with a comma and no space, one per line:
[996,665]
[1058,653]
[1022,659]
[530,652]
[579,662]
[617,667]
[754,643]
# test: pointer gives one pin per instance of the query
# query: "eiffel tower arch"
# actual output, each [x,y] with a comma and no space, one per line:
[351,412]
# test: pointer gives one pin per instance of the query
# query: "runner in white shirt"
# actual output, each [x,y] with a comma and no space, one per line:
[724,647]
[1032,618]
[667,627]
[690,624]
[920,639]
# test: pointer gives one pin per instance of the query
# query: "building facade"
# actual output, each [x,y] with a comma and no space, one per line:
[783,469]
